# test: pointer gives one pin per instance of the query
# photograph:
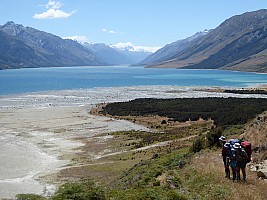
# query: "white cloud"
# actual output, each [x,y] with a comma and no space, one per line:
[122,45]
[52,14]
[111,31]
[53,11]
[131,47]
[79,38]
[53,5]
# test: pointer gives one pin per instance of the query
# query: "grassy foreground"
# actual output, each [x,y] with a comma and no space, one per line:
[180,161]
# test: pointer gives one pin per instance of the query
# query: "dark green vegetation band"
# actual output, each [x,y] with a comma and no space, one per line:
[224,111]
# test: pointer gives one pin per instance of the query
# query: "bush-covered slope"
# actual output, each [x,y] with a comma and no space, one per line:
[224,111]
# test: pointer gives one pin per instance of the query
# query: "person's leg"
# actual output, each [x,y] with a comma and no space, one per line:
[226,167]
[244,173]
[234,173]
[227,172]
[237,173]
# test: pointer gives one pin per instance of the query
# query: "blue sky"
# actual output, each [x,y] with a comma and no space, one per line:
[148,23]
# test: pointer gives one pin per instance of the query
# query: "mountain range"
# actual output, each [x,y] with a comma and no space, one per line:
[27,47]
[239,43]
[23,47]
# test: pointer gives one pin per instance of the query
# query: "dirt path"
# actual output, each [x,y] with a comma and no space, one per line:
[165,143]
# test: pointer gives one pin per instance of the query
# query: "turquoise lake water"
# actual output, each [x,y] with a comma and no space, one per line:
[66,78]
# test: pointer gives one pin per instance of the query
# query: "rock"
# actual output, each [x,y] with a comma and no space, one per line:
[261,175]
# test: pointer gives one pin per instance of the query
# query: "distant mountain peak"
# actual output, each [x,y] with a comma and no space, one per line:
[9,23]
[13,24]
[12,28]
[128,46]
[117,56]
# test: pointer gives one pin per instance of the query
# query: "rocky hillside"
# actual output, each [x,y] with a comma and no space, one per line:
[239,43]
[170,50]
[27,47]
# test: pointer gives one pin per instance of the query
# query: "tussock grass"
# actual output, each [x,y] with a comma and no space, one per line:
[205,178]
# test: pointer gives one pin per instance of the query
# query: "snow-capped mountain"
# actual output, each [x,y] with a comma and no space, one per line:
[119,54]
[128,46]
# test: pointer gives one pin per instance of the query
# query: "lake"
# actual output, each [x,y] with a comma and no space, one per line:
[19,81]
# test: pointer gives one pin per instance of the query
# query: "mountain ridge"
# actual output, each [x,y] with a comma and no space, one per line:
[44,49]
[168,51]
[239,43]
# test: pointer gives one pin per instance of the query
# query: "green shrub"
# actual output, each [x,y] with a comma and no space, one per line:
[79,191]
[174,180]
[213,137]
[156,183]
[219,192]
[173,195]
[29,197]
[198,144]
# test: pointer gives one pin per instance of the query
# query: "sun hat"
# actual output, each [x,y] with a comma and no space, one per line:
[237,146]
[227,145]
[222,138]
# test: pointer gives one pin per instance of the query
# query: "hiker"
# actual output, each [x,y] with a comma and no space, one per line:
[230,159]
[241,158]
[222,140]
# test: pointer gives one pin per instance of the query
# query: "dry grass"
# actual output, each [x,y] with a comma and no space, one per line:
[256,130]
[209,164]
[105,158]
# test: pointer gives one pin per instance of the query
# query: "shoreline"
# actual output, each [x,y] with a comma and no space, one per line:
[47,129]
[91,96]
[250,86]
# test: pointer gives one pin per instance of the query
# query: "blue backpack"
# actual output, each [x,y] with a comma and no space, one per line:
[230,148]
[233,141]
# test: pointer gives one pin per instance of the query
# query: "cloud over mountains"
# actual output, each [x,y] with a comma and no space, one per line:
[79,38]
[53,11]
[131,47]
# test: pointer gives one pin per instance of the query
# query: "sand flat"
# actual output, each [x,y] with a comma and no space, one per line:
[37,141]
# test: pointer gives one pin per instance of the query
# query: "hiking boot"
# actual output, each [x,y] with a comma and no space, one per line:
[234,178]
[227,174]
[238,178]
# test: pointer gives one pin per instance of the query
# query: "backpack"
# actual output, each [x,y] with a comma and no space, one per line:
[233,141]
[229,145]
[247,147]
[229,150]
